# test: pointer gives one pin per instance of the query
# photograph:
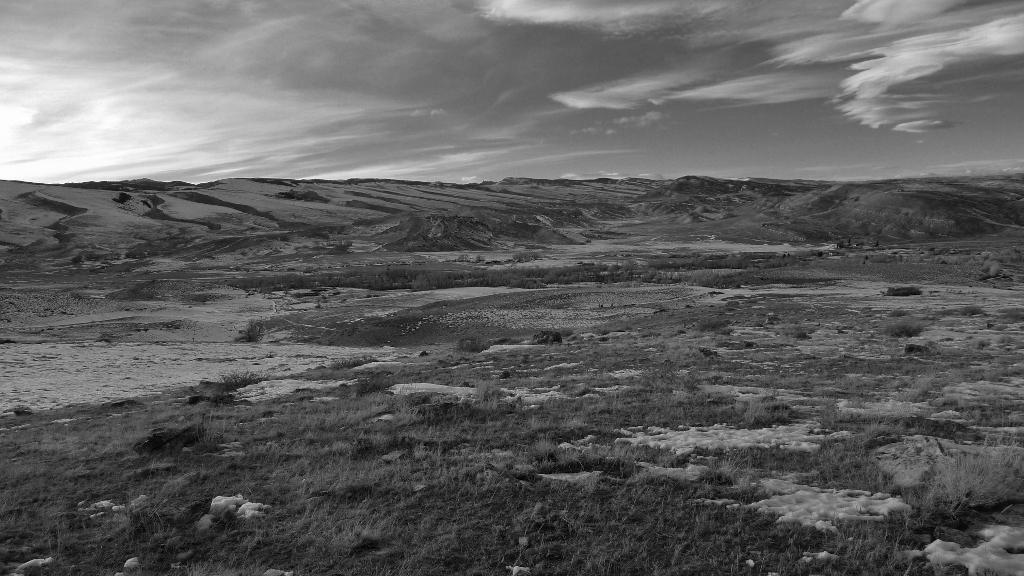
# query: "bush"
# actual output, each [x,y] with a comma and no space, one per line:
[991,477]
[254,331]
[972,310]
[1013,314]
[905,328]
[714,324]
[797,332]
[346,363]
[472,345]
[903,291]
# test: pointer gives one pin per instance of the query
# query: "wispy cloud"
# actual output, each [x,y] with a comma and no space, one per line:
[922,126]
[645,120]
[894,12]
[630,92]
[868,96]
[772,88]
[612,15]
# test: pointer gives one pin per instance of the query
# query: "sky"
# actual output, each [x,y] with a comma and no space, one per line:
[469,90]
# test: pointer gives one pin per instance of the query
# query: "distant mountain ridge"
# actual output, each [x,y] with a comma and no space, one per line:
[147,218]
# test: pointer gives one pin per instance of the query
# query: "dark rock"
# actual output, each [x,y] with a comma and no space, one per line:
[164,439]
[547,337]
[707,352]
[22,411]
[953,535]
[424,353]
[127,403]
[918,350]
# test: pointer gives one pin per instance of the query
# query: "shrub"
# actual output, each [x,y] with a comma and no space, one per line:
[1014,314]
[971,310]
[764,412]
[987,478]
[254,331]
[714,324]
[903,291]
[472,345]
[346,363]
[371,383]
[220,390]
[905,328]
[797,332]
[488,392]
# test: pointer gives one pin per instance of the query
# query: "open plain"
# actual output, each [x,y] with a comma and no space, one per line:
[607,377]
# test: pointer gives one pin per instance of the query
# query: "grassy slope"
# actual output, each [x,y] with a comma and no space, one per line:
[462,491]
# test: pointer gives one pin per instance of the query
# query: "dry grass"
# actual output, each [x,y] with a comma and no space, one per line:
[904,328]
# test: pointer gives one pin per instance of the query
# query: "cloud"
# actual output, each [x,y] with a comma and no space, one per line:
[922,126]
[611,15]
[629,92]
[867,95]
[642,121]
[772,88]
[892,12]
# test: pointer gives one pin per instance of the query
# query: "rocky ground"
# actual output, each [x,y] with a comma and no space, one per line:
[810,425]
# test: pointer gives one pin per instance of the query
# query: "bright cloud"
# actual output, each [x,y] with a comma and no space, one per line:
[616,15]
[774,88]
[893,12]
[629,92]
[868,96]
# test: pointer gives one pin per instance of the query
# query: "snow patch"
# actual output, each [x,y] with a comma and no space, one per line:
[818,507]
[691,473]
[886,408]
[381,365]
[428,388]
[573,477]
[992,556]
[818,557]
[800,437]
[626,373]
[270,389]
[502,348]
[35,563]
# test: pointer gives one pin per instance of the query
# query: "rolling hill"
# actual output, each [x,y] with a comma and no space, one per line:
[147,218]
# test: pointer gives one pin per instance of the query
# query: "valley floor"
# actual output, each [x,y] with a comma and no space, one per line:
[806,427]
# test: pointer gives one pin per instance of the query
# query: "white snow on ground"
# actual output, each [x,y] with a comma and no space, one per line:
[984,392]
[750,392]
[44,376]
[990,557]
[691,473]
[573,477]
[886,408]
[626,373]
[502,348]
[531,396]
[819,556]
[800,437]
[818,507]
[539,395]
[563,365]
[382,365]
[426,387]
[36,563]
[100,508]
[269,389]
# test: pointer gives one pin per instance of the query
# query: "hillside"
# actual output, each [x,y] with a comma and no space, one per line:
[244,217]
